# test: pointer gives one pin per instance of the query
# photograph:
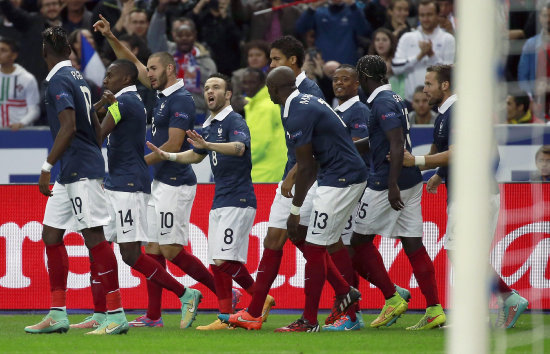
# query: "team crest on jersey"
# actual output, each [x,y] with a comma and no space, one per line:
[162,105]
[61,95]
[220,131]
[441,127]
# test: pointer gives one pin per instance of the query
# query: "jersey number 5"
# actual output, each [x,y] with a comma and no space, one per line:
[88,99]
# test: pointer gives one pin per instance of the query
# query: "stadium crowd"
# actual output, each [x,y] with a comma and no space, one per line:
[226,36]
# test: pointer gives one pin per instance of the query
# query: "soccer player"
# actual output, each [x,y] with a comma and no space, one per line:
[77,200]
[390,206]
[226,140]
[174,185]
[127,185]
[438,88]
[319,137]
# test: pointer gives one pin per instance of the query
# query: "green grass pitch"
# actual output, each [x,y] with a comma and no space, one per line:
[172,339]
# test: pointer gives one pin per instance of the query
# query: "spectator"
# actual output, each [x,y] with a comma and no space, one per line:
[384,44]
[20,98]
[337,28]
[267,137]
[446,15]
[29,29]
[422,113]
[518,109]
[111,10]
[75,15]
[138,23]
[428,45]
[396,19]
[75,40]
[375,12]
[257,57]
[219,32]
[272,25]
[542,161]
[535,46]
[194,62]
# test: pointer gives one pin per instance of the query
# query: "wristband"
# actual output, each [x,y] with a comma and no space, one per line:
[419,160]
[172,156]
[294,210]
[46,167]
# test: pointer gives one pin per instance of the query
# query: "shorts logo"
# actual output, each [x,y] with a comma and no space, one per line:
[164,233]
[125,231]
[61,95]
[315,233]
[225,249]
[388,115]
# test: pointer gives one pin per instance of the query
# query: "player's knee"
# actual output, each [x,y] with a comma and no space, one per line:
[130,253]
[170,251]
[411,244]
[51,235]
[218,262]
[275,239]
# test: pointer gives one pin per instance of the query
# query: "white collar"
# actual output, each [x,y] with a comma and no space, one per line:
[171,89]
[220,116]
[448,102]
[56,68]
[287,102]
[300,78]
[386,87]
[344,106]
[126,89]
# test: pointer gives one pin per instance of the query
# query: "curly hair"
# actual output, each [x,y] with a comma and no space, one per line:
[372,66]
[55,38]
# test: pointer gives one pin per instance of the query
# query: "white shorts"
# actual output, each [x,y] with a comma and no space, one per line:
[228,232]
[348,229]
[77,206]
[280,208]
[494,209]
[331,209]
[168,213]
[128,212]
[376,216]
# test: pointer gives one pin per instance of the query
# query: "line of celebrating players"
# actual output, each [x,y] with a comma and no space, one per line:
[323,203]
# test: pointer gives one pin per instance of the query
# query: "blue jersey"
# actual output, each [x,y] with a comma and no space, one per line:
[67,89]
[355,115]
[310,120]
[306,86]
[441,139]
[175,108]
[231,173]
[128,171]
[388,111]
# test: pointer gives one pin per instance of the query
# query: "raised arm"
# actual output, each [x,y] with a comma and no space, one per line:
[120,49]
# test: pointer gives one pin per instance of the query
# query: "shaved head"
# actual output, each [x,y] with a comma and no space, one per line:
[281,76]
[280,82]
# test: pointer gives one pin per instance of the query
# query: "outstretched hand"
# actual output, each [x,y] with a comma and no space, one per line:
[196,140]
[102,26]
[162,154]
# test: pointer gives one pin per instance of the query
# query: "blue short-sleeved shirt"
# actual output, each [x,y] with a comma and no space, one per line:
[67,89]
[388,111]
[307,86]
[309,119]
[175,108]
[231,173]
[128,171]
